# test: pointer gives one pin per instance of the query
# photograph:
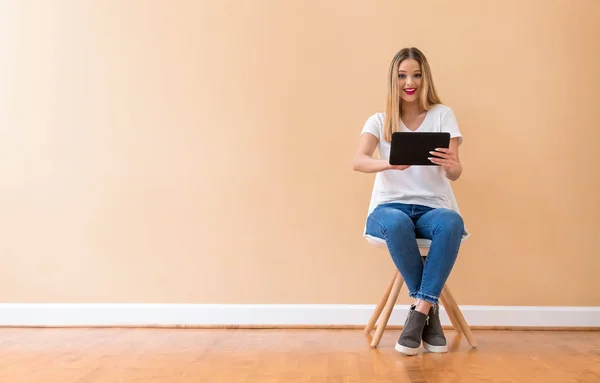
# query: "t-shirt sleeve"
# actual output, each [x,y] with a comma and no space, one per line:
[450,125]
[374,126]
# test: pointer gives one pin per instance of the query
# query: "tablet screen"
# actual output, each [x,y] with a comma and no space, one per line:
[412,148]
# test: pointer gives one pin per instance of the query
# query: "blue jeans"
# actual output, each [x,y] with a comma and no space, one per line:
[400,224]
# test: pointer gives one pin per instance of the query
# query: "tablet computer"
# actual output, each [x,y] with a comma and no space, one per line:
[412,148]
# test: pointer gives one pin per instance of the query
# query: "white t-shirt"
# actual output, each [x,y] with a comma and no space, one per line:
[422,185]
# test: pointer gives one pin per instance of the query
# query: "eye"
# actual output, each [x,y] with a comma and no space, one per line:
[418,75]
[401,75]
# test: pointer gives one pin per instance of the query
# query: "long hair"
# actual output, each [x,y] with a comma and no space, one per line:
[427,99]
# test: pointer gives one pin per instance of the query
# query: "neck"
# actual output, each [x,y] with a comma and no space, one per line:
[411,108]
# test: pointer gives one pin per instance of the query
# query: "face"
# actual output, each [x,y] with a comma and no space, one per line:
[409,80]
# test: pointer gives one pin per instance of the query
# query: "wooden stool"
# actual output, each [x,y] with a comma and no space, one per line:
[389,298]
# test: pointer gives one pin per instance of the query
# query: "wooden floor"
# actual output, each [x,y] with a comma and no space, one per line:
[187,355]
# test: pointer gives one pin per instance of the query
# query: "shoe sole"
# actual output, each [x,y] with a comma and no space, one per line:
[431,348]
[406,350]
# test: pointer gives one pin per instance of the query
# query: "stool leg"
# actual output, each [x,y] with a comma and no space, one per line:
[450,313]
[387,310]
[459,317]
[380,305]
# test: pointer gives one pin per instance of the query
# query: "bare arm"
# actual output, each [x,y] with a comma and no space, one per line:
[363,159]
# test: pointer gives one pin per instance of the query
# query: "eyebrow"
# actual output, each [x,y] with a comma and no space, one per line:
[403,71]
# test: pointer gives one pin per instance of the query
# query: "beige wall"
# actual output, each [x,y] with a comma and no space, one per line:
[199,151]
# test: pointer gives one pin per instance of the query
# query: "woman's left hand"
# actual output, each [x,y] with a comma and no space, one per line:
[446,158]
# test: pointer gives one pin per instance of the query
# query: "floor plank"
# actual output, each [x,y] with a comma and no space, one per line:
[241,355]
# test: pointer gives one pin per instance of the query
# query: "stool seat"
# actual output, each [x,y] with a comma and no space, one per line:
[378,242]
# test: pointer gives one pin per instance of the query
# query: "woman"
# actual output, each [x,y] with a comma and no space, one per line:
[415,201]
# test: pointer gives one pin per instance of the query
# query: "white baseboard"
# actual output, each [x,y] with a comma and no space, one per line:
[24,314]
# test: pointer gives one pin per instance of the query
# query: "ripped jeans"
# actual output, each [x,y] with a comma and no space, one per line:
[400,224]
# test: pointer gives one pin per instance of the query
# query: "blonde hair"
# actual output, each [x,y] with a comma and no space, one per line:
[428,98]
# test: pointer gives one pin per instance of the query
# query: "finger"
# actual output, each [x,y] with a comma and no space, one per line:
[442,162]
[446,151]
[440,154]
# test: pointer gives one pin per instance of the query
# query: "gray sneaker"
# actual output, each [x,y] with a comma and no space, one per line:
[410,339]
[433,335]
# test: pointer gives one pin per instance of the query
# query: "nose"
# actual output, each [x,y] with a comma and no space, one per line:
[409,80]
